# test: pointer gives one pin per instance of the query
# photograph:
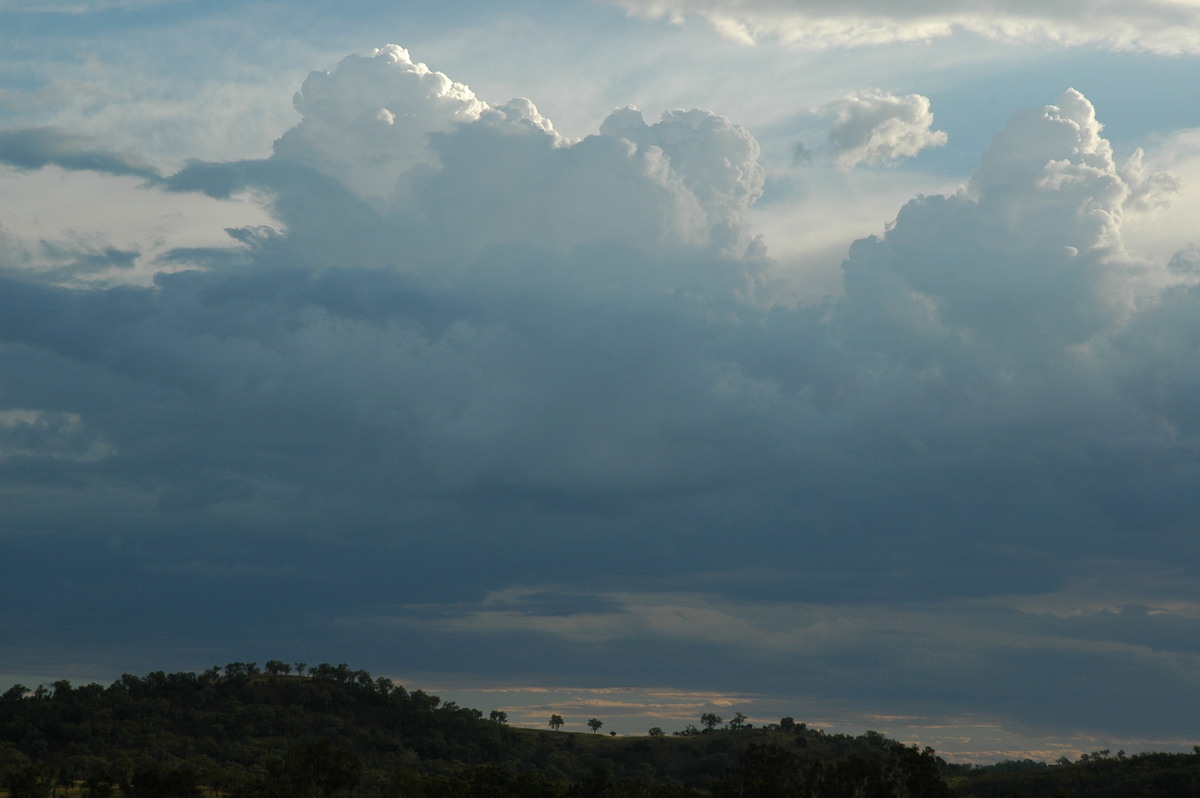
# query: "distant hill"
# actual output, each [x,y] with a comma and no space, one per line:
[245,732]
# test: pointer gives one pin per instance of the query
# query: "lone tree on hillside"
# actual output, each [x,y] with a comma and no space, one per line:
[594,724]
[710,721]
[556,722]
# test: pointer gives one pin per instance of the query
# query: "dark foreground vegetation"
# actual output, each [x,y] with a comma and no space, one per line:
[242,732]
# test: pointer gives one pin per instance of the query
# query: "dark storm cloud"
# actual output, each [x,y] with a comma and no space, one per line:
[484,357]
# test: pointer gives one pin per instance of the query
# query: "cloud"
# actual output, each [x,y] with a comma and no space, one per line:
[471,358]
[1044,665]
[73,6]
[99,229]
[349,129]
[716,159]
[801,154]
[878,127]
[34,148]
[43,433]
[1050,181]
[391,130]
[1162,27]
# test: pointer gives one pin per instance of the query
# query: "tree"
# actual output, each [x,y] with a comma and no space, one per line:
[710,721]
[498,716]
[14,693]
[738,722]
[319,769]
[556,722]
[154,781]
[300,666]
[656,731]
[99,782]
[35,780]
[594,724]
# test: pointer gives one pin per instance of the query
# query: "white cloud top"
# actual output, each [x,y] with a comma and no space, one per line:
[368,121]
[716,159]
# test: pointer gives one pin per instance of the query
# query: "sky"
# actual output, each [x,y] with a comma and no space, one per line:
[629,359]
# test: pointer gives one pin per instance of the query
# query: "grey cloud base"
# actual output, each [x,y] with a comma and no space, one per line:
[525,408]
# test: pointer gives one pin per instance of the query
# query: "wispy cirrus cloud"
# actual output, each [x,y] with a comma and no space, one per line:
[1165,26]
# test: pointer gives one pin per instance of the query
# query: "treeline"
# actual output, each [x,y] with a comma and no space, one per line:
[1100,774]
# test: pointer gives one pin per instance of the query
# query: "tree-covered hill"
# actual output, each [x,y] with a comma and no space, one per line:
[244,732]
[241,731]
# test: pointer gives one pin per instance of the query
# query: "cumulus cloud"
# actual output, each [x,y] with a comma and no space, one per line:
[368,121]
[425,150]
[485,353]
[1027,248]
[716,159]
[1164,26]
[878,127]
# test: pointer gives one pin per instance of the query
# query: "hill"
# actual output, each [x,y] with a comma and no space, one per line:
[240,732]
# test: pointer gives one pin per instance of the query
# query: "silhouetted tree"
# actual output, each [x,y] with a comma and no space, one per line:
[14,693]
[556,722]
[594,724]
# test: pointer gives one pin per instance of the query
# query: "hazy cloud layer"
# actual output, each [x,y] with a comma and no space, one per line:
[1164,26]
[487,399]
